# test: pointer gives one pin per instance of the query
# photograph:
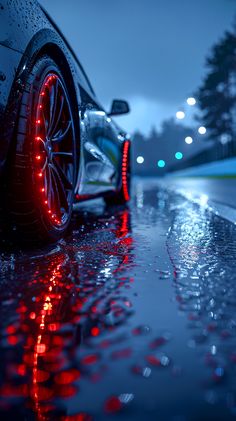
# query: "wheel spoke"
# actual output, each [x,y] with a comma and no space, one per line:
[61,189]
[59,136]
[45,123]
[66,154]
[50,190]
[56,119]
[45,164]
[57,203]
[67,183]
[62,99]
[40,140]
[53,94]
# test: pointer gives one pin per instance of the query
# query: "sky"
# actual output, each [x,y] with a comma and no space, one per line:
[149,52]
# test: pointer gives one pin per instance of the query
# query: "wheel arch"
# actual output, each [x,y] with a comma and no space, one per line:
[53,51]
[45,42]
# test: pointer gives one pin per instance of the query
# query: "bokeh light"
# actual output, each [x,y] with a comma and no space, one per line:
[188,140]
[225,138]
[161,163]
[140,159]
[178,155]
[202,130]
[180,115]
[191,101]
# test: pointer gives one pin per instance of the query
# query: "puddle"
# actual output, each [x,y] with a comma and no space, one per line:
[132,315]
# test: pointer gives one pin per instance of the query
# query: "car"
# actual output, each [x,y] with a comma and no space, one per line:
[58,144]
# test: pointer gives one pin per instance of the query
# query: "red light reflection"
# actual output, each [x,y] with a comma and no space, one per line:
[54,316]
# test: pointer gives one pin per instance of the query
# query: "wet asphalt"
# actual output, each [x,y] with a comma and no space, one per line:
[131,316]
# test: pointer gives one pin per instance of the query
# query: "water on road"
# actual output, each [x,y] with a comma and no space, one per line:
[131,316]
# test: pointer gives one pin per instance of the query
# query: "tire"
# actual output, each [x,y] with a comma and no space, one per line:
[122,196]
[43,168]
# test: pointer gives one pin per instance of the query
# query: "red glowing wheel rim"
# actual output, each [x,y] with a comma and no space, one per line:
[54,151]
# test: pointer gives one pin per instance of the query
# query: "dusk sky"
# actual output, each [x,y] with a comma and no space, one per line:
[150,52]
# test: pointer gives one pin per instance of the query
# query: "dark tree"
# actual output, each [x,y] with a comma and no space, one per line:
[217,95]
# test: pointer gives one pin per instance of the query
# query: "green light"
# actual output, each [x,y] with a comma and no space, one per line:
[178,155]
[161,163]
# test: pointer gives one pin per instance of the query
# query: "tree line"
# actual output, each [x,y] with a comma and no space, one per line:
[217,93]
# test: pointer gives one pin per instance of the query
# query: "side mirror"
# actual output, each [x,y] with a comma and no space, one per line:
[119,107]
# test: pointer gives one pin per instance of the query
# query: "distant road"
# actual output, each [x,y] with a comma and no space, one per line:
[221,190]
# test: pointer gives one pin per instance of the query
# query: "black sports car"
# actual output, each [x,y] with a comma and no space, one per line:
[58,145]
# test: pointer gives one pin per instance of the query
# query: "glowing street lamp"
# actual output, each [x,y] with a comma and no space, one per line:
[161,163]
[188,140]
[180,115]
[202,130]
[140,159]
[191,101]
[178,155]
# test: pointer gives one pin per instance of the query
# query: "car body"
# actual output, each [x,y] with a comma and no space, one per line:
[27,33]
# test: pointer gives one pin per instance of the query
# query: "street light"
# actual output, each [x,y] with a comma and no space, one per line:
[191,101]
[180,115]
[161,163]
[188,140]
[202,130]
[140,159]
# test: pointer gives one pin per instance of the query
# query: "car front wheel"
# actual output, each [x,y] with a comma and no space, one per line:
[43,170]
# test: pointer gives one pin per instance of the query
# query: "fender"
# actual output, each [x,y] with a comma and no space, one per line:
[46,41]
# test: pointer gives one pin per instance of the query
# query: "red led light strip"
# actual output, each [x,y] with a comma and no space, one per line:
[40,156]
[125,164]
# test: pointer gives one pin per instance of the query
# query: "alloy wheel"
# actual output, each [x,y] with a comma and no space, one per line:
[54,150]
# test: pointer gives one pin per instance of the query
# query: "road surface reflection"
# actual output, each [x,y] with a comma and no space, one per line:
[132,315]
[66,298]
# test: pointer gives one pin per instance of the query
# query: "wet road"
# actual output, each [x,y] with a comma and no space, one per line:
[131,316]
[219,190]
